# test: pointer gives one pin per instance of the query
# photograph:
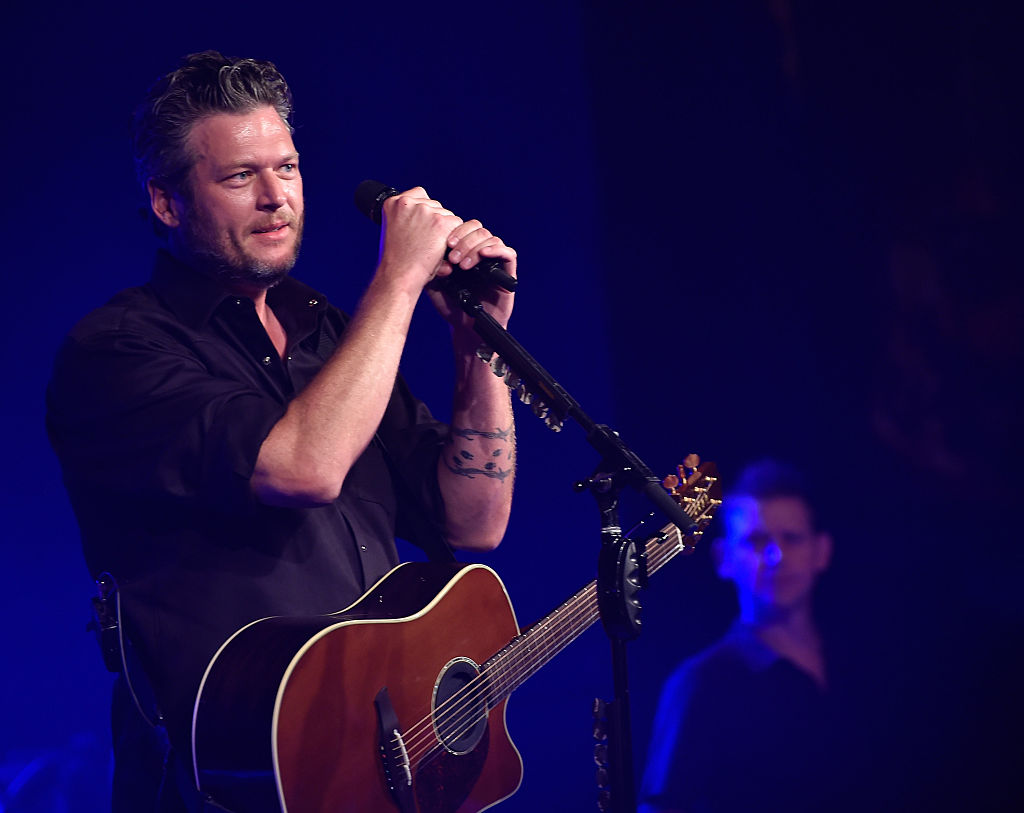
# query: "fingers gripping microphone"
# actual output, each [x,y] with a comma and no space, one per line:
[369,199]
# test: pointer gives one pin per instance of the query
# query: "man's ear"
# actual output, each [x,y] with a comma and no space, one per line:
[164,205]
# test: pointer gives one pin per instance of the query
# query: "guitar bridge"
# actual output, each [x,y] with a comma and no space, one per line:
[393,753]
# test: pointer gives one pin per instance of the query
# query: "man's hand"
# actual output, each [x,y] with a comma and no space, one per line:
[468,244]
[417,231]
[414,238]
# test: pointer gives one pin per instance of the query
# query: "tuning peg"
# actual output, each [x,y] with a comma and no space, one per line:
[512,380]
[524,394]
[540,409]
[484,353]
[553,423]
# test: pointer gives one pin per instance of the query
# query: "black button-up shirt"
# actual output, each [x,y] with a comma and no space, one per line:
[159,403]
[740,728]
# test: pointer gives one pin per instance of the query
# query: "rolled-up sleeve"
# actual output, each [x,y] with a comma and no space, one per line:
[139,414]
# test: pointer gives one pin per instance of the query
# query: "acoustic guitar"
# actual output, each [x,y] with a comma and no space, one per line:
[397,702]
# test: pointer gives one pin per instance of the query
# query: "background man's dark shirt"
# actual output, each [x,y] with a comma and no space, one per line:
[157,408]
[739,728]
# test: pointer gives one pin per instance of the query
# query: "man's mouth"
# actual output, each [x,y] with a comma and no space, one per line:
[269,229]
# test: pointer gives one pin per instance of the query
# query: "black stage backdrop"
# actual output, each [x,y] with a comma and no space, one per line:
[752,228]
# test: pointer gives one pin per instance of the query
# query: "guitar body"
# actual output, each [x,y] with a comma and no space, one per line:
[396,703]
[286,716]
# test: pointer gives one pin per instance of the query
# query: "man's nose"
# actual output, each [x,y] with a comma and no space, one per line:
[772,554]
[271,193]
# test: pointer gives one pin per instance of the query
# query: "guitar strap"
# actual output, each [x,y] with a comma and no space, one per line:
[116,647]
[119,657]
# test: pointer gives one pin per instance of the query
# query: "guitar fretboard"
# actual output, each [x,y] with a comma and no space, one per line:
[526,654]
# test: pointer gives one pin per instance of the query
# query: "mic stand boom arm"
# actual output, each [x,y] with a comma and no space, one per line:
[550,402]
[621,570]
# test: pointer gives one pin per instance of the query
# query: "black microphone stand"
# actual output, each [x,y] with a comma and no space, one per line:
[621,570]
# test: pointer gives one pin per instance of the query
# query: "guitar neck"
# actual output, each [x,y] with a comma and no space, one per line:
[525,654]
[699,496]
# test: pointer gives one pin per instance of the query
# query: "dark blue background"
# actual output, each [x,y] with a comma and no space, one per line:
[745,228]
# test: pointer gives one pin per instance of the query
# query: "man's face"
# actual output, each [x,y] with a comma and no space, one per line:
[772,552]
[242,215]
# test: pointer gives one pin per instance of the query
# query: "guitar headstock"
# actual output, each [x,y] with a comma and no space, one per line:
[698,491]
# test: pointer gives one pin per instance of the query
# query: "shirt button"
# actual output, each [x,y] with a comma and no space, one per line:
[238,301]
[312,302]
[362,547]
[266,359]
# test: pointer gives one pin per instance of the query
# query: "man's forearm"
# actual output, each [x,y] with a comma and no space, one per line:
[307,454]
[476,470]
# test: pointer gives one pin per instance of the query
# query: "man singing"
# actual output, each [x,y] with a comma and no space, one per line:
[234,447]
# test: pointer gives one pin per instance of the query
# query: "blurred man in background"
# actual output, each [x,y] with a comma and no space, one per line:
[749,723]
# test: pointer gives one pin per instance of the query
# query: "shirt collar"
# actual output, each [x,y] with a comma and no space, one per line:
[758,655]
[193,297]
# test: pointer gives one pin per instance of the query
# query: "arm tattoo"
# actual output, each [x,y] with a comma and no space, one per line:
[461,461]
[469,434]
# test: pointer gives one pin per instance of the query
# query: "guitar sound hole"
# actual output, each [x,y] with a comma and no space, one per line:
[460,706]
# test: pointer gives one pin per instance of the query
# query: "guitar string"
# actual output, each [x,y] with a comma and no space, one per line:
[505,668]
[514,667]
[508,668]
[536,658]
[528,665]
[469,717]
[467,701]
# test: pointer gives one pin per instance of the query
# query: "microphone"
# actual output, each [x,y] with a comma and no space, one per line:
[369,199]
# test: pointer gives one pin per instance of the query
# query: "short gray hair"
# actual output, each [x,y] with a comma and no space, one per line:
[204,83]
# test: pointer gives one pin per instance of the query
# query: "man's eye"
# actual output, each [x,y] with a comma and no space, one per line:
[289,167]
[241,176]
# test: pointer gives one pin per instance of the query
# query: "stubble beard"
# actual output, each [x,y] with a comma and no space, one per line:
[225,260]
